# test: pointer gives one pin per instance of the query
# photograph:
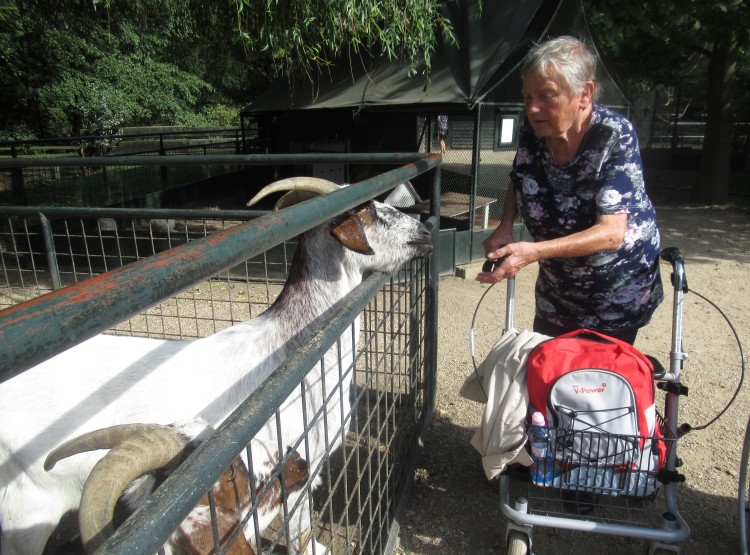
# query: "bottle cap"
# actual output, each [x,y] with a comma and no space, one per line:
[537,419]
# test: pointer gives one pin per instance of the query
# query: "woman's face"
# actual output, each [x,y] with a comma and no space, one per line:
[550,106]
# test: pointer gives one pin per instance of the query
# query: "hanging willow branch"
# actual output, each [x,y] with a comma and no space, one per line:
[307,35]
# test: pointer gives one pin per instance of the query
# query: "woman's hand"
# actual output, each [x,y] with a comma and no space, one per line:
[606,234]
[515,256]
[497,240]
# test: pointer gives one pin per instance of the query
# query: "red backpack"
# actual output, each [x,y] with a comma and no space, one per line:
[597,393]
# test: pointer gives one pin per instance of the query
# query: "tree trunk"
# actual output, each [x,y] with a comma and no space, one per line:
[713,176]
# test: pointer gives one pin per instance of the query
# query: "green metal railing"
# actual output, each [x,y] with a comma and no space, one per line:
[122,293]
[36,330]
[85,185]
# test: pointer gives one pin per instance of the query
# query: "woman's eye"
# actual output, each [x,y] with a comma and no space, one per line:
[544,98]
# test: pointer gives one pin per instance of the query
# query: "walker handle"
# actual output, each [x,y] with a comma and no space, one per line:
[492,265]
[510,296]
[674,257]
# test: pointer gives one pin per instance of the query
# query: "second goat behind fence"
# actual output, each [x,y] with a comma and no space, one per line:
[141,455]
[112,380]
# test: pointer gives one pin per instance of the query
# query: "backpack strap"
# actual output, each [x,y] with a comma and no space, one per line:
[594,336]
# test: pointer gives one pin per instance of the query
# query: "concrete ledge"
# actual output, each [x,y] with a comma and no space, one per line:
[468,271]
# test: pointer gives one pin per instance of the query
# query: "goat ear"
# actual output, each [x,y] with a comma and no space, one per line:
[349,231]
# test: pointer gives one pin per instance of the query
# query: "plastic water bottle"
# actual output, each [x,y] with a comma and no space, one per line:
[543,466]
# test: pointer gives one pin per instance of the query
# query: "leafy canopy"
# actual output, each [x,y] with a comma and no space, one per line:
[310,34]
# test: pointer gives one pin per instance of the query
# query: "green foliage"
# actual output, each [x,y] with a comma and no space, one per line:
[97,64]
[90,64]
[665,43]
[19,132]
[118,89]
[221,115]
[309,34]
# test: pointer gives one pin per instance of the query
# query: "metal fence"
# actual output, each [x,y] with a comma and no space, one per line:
[44,249]
[364,483]
[126,142]
[83,184]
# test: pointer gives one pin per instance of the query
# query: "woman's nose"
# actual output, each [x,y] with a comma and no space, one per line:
[532,107]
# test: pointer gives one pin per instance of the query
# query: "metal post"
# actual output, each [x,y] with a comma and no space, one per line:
[431,331]
[474,176]
[17,180]
[49,249]
[163,170]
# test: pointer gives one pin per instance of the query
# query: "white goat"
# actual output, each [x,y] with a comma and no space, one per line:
[110,380]
[142,450]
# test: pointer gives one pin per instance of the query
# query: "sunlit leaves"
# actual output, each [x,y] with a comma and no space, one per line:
[305,35]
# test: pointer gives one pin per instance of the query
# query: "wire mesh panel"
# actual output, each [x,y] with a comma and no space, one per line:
[364,479]
[366,468]
[84,246]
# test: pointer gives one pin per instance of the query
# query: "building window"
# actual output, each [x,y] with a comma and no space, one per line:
[506,131]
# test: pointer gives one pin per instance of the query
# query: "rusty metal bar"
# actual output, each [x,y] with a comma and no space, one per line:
[38,329]
[225,159]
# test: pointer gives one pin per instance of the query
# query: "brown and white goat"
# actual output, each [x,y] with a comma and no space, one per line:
[138,450]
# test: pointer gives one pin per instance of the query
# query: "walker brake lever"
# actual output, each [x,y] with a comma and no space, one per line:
[492,265]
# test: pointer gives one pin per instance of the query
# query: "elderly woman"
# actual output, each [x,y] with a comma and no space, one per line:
[577,183]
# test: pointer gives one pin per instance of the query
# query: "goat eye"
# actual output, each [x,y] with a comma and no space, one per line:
[333,223]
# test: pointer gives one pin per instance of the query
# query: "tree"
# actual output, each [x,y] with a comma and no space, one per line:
[85,65]
[313,34]
[100,63]
[654,43]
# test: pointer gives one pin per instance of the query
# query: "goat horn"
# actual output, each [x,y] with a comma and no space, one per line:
[312,185]
[157,447]
[105,438]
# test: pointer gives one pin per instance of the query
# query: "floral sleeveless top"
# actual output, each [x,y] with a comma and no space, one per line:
[608,290]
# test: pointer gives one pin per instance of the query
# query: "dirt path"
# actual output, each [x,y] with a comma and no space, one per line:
[453,509]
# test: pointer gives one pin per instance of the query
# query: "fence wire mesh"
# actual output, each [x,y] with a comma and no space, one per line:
[87,246]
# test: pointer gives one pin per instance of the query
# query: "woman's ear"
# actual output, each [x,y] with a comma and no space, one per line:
[587,96]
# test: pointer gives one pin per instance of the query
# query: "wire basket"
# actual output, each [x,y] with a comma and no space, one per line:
[605,464]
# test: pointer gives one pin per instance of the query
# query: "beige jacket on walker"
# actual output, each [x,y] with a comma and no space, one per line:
[501,436]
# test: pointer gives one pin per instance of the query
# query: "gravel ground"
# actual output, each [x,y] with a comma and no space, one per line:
[454,509]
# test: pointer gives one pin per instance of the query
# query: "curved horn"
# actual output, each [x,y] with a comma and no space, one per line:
[136,455]
[105,438]
[312,185]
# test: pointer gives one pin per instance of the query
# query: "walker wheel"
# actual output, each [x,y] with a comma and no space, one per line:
[518,543]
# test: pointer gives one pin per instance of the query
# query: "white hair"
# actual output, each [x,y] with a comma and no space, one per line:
[570,58]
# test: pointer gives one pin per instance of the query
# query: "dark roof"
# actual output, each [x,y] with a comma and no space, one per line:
[461,74]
